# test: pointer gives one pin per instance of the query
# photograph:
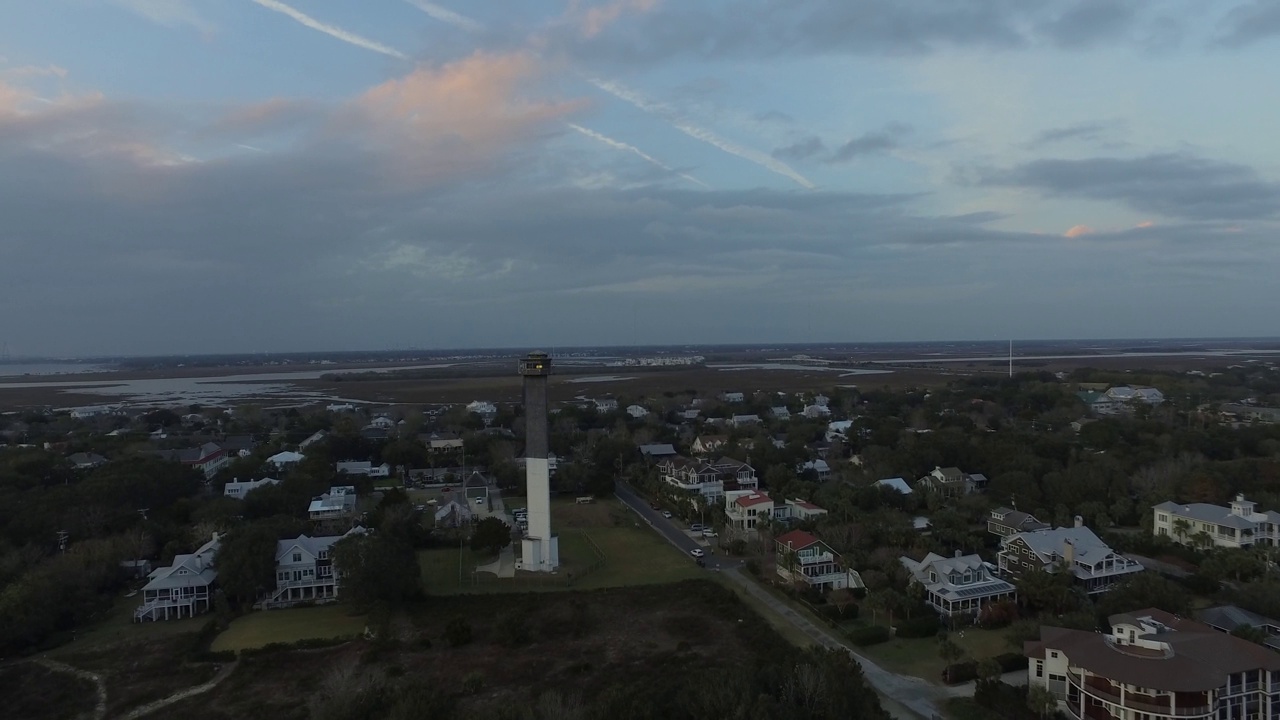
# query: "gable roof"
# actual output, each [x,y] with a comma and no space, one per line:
[752,500]
[658,450]
[896,484]
[1204,512]
[312,546]
[1048,544]
[797,540]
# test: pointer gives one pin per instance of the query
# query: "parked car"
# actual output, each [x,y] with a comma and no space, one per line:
[666,514]
[697,552]
[696,527]
[708,533]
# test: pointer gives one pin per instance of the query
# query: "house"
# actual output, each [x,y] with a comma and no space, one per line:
[897,484]
[238,445]
[305,570]
[1152,665]
[341,407]
[1250,413]
[658,450]
[337,504]
[482,408]
[84,413]
[1229,618]
[364,467]
[838,429]
[1206,525]
[312,439]
[958,585]
[453,514]
[1004,522]
[735,474]
[820,468]
[637,411]
[742,420]
[746,510]
[814,412]
[382,422]
[86,461]
[780,413]
[732,397]
[803,558]
[238,490]
[442,442]
[797,510]
[605,405]
[208,458]
[476,487]
[282,460]
[183,589]
[692,476]
[1094,566]
[690,414]
[707,444]
[950,482]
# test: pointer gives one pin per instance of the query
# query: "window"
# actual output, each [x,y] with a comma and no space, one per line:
[1163,517]
[1039,668]
[1053,654]
[297,557]
[324,554]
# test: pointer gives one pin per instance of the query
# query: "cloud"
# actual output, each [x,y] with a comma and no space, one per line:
[444,14]
[619,145]
[1174,185]
[1088,22]
[873,142]
[35,71]
[599,17]
[331,30]
[1078,231]
[801,149]
[683,125]
[1249,23]
[1082,131]
[169,13]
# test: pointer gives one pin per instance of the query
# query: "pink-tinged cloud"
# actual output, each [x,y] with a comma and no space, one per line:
[1145,224]
[476,106]
[597,18]
[1078,231]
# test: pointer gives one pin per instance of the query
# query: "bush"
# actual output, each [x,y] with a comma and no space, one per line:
[1011,661]
[753,567]
[960,672]
[920,627]
[457,632]
[997,615]
[1200,584]
[868,636]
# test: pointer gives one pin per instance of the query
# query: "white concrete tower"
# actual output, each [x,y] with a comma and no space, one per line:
[540,550]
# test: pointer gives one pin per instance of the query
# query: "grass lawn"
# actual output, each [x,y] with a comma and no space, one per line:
[637,556]
[118,626]
[285,626]
[919,656]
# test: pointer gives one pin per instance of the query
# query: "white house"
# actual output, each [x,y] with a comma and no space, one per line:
[797,510]
[732,397]
[305,570]
[338,503]
[183,589]
[312,439]
[819,466]
[364,467]
[741,420]
[895,484]
[814,412]
[958,585]
[480,407]
[637,411]
[284,459]
[801,557]
[606,405]
[746,510]
[341,407]
[238,490]
[838,429]
[1239,526]
[706,444]
[780,412]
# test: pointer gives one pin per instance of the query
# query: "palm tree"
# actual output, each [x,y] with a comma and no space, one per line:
[1181,528]
[1203,540]
[1041,701]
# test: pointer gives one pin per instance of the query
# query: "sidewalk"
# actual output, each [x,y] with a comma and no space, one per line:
[912,693]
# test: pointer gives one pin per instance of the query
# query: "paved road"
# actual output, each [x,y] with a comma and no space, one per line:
[668,529]
[911,693]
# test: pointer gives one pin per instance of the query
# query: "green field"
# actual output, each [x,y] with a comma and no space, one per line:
[285,626]
[919,656]
[118,626]
[633,555]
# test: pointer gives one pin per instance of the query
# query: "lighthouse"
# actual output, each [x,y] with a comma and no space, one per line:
[540,550]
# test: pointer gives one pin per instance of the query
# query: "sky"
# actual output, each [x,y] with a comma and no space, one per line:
[206,176]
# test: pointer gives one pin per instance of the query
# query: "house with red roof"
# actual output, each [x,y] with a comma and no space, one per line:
[803,558]
[747,510]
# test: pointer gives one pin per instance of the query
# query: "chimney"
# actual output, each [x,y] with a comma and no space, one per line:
[959,553]
[1079,521]
[1240,497]
[1068,553]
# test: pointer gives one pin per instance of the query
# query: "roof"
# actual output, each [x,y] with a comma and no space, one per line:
[288,456]
[1048,544]
[753,499]
[797,540]
[895,483]
[990,584]
[805,504]
[311,545]
[1193,658]
[198,568]
[1018,520]
[1230,617]
[658,450]
[1204,512]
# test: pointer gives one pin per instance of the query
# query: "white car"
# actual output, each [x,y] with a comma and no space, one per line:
[666,514]
[708,533]
[697,552]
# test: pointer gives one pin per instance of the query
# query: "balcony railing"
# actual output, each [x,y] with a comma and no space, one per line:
[1108,693]
[815,559]
[325,580]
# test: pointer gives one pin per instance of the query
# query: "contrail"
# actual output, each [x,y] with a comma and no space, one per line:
[331,30]
[619,145]
[764,160]
[444,14]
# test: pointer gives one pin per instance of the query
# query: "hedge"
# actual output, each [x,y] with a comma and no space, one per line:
[870,635]
[960,672]
[920,627]
[1011,661]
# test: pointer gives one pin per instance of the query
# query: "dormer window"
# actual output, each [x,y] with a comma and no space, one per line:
[297,557]
[933,576]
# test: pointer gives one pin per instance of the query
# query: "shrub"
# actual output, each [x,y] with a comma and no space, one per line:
[457,632]
[1011,661]
[960,672]
[920,627]
[472,683]
[753,567]
[870,635]
[997,615]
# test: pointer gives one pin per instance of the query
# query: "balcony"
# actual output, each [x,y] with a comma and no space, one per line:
[815,559]
[1105,691]
[305,582]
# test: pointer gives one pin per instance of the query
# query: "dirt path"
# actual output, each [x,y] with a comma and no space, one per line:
[100,707]
[179,696]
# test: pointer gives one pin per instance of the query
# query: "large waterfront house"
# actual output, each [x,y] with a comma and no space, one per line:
[183,589]
[1206,525]
[958,585]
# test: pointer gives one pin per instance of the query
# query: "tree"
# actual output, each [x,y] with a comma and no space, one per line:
[951,654]
[376,568]
[1041,701]
[490,536]
[247,557]
[1181,528]
[1145,590]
